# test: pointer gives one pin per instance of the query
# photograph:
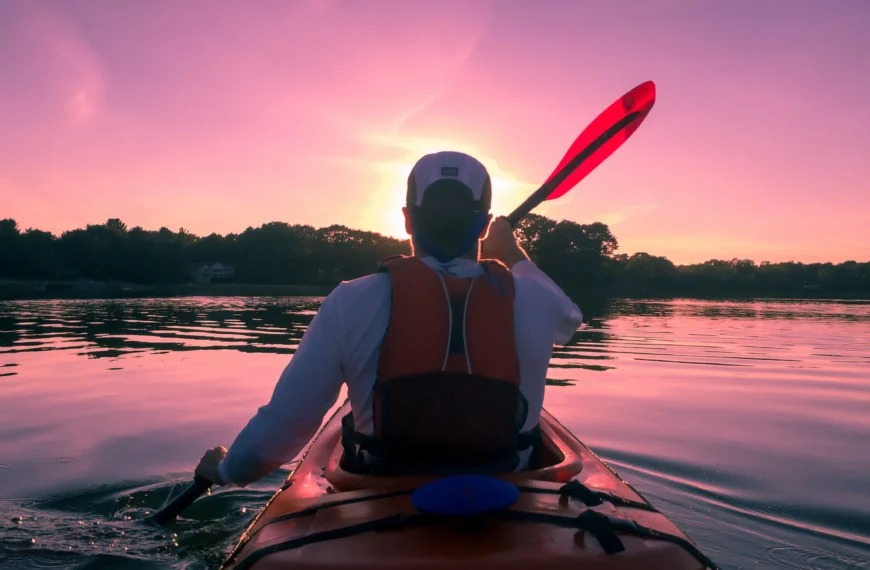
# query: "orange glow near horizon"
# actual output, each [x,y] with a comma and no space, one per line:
[312,112]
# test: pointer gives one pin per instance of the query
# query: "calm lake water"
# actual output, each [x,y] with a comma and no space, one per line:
[747,423]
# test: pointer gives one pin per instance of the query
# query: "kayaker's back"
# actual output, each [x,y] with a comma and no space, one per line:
[543,316]
[449,344]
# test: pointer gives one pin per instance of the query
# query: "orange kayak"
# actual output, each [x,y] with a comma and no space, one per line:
[572,511]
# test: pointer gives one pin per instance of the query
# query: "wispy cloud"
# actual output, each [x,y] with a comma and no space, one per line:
[452,65]
[624,213]
[83,82]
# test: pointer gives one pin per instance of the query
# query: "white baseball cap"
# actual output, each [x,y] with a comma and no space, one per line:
[451,166]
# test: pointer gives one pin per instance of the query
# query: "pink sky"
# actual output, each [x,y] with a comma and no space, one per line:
[216,116]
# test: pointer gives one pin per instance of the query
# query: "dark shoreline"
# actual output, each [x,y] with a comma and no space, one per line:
[16,290]
[20,290]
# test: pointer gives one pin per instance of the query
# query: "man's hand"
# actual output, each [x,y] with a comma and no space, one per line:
[208,465]
[501,244]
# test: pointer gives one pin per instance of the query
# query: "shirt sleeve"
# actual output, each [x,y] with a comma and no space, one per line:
[567,315]
[308,387]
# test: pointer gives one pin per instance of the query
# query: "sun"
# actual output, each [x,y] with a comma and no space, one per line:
[385,208]
[384,211]
[394,220]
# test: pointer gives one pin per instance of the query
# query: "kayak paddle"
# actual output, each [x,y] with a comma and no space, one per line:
[173,509]
[597,141]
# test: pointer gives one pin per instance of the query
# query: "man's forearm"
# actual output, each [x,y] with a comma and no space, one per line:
[266,443]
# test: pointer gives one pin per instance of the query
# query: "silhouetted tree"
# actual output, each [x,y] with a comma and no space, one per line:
[574,255]
[530,230]
[650,272]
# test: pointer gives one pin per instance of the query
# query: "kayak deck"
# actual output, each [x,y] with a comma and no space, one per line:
[573,512]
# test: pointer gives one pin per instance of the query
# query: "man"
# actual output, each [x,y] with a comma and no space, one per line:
[445,357]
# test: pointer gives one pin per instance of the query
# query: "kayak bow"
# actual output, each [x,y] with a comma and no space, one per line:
[570,511]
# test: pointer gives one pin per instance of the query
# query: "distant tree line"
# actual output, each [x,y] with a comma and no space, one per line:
[579,257]
[582,257]
[273,253]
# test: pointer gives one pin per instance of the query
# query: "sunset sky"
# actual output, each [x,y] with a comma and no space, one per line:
[219,115]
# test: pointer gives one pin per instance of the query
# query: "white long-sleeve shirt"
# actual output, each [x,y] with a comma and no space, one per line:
[342,345]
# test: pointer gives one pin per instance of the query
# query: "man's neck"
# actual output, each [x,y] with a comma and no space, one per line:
[473,254]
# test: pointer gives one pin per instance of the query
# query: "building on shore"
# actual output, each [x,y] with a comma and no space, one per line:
[208,272]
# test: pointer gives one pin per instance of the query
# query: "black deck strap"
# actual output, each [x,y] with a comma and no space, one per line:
[573,489]
[591,498]
[399,520]
[577,490]
[603,528]
[599,525]
[673,539]
[598,522]
[315,508]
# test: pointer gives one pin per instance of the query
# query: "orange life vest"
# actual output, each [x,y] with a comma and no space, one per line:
[447,394]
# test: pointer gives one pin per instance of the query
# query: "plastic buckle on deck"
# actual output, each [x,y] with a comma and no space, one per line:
[578,490]
[601,527]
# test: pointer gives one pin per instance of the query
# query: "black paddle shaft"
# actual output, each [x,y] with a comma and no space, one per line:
[547,188]
[173,509]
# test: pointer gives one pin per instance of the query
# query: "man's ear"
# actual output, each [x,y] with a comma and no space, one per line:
[409,222]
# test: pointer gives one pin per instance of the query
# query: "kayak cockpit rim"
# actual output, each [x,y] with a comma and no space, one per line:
[550,463]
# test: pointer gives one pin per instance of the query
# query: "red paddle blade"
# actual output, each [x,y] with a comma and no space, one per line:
[603,136]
